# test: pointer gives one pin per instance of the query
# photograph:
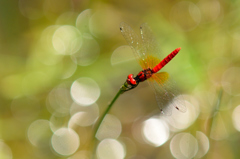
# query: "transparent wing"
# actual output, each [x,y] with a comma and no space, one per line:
[135,42]
[150,45]
[166,94]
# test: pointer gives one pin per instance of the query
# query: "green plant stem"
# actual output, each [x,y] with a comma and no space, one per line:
[215,110]
[123,89]
[106,111]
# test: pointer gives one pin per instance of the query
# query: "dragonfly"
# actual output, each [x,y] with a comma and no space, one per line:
[146,51]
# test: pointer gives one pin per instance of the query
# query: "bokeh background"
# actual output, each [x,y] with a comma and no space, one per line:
[63,61]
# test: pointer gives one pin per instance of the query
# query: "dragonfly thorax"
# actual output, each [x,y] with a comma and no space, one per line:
[142,76]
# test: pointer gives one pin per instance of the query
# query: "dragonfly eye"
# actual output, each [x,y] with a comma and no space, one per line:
[131,80]
[130,76]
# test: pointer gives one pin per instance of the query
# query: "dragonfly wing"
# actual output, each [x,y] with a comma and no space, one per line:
[135,42]
[150,45]
[166,94]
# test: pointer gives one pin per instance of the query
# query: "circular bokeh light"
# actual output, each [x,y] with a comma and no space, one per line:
[203,144]
[65,141]
[122,54]
[83,115]
[67,40]
[155,131]
[5,151]
[88,53]
[184,145]
[85,91]
[39,133]
[185,15]
[82,22]
[110,128]
[109,149]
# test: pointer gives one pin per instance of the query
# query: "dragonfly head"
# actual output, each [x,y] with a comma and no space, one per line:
[130,83]
[131,80]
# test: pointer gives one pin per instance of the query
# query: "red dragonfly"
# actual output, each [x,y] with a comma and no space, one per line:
[145,49]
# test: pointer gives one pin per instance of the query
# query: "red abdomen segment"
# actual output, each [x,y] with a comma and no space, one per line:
[165,60]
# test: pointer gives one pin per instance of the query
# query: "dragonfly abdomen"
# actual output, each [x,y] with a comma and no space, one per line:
[165,60]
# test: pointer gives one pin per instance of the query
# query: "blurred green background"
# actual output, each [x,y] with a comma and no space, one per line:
[62,62]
